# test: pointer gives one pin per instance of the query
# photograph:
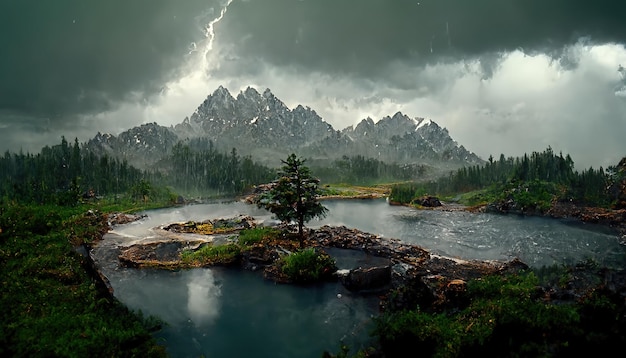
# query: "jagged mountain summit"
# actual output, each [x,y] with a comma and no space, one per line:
[262,126]
[252,121]
[401,139]
[141,146]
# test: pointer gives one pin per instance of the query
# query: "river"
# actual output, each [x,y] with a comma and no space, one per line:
[222,312]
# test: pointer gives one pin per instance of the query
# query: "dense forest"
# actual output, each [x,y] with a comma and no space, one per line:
[64,173]
[360,170]
[541,175]
[198,168]
[59,174]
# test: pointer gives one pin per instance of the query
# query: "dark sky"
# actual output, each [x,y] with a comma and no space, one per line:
[504,76]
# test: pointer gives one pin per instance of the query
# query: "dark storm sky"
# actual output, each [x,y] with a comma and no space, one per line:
[504,76]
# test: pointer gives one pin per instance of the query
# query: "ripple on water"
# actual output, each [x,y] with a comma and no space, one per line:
[210,312]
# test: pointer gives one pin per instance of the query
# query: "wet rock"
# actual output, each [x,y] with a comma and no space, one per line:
[342,237]
[456,293]
[428,201]
[156,254]
[259,256]
[121,218]
[367,279]
[215,226]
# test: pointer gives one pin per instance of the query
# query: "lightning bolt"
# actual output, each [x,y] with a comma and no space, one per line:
[209,31]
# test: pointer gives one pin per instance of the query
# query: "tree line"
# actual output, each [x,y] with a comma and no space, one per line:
[61,173]
[590,186]
[64,173]
[198,167]
[361,170]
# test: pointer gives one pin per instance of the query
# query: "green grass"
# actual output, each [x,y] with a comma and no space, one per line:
[478,197]
[348,190]
[504,318]
[50,305]
[228,253]
[249,237]
[210,254]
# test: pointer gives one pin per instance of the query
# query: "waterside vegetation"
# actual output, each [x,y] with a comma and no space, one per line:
[529,184]
[515,315]
[51,304]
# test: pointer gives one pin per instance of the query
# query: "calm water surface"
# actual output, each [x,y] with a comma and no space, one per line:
[221,312]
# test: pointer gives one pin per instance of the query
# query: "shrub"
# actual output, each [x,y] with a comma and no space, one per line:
[405,193]
[308,265]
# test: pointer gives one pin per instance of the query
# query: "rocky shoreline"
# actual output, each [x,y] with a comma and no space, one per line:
[396,264]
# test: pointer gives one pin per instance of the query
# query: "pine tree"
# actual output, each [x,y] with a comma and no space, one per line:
[294,195]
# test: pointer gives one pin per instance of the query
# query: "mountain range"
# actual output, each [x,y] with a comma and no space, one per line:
[261,126]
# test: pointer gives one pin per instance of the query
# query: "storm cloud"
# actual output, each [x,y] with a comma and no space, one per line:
[65,56]
[362,37]
[504,76]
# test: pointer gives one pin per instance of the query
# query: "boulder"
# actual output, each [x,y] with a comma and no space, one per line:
[428,201]
[366,279]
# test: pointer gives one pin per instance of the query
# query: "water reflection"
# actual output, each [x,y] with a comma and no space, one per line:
[203,301]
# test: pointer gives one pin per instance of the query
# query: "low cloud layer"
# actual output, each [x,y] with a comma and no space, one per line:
[510,76]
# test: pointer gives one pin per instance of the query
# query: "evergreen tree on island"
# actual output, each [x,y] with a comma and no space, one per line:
[294,195]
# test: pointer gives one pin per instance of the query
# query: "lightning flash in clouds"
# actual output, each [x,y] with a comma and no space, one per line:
[209,31]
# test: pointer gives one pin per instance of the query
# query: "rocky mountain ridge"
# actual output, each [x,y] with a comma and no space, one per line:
[262,126]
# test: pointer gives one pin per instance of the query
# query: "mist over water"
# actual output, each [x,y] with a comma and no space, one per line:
[220,312]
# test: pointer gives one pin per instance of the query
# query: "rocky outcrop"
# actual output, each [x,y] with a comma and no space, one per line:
[114,219]
[345,238]
[215,226]
[166,254]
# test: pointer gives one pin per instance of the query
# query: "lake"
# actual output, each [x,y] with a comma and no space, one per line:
[221,312]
